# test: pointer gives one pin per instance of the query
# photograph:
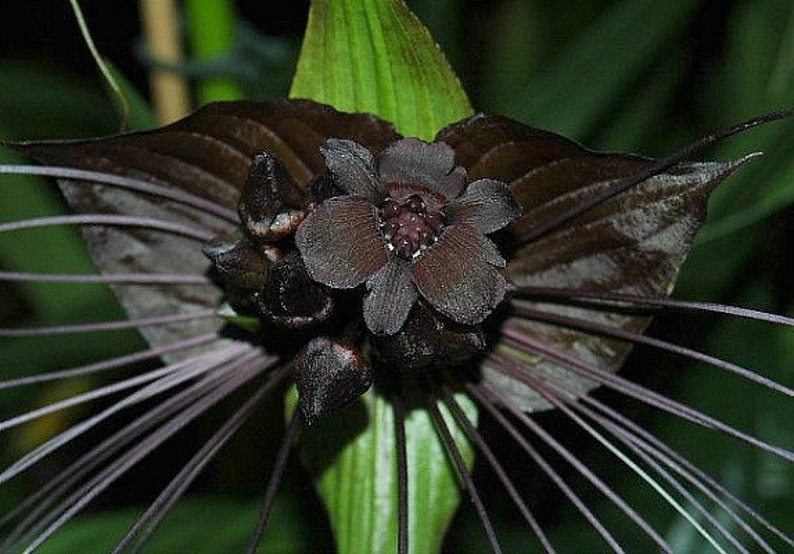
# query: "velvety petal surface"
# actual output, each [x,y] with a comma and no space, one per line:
[391,296]
[340,242]
[487,205]
[353,168]
[456,279]
[411,160]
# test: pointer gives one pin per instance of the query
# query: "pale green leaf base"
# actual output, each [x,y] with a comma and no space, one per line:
[353,458]
[377,57]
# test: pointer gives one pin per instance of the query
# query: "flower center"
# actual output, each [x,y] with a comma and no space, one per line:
[409,227]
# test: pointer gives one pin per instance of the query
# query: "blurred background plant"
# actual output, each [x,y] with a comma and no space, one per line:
[628,75]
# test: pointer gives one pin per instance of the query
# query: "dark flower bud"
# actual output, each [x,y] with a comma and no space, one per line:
[290,298]
[241,268]
[271,204]
[329,375]
[429,339]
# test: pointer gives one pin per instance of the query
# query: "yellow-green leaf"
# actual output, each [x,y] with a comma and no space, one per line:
[375,56]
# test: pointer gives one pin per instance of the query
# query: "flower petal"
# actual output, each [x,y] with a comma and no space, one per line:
[411,160]
[353,168]
[392,294]
[487,205]
[456,279]
[340,242]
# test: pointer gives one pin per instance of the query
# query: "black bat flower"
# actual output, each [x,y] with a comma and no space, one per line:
[408,226]
[287,241]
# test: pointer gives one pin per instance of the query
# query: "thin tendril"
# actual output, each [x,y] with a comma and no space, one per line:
[148,223]
[452,449]
[476,438]
[402,474]
[620,300]
[130,183]
[107,325]
[651,171]
[273,484]
[623,334]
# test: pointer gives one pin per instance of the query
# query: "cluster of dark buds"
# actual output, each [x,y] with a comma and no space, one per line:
[500,261]
[407,226]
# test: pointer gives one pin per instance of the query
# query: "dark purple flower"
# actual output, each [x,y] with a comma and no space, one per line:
[408,225]
[592,257]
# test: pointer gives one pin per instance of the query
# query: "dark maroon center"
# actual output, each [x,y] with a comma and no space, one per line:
[409,227]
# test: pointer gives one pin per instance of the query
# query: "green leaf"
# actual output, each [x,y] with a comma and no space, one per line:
[353,459]
[199,524]
[212,37]
[579,88]
[377,57]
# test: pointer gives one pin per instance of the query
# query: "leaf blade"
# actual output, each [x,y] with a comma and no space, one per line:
[376,57]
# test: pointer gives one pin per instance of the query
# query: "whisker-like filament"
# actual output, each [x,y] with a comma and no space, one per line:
[565,407]
[94,394]
[110,220]
[107,279]
[637,338]
[130,183]
[489,400]
[653,169]
[474,436]
[192,368]
[212,387]
[507,366]
[107,325]
[111,363]
[629,440]
[622,301]
[402,473]
[629,388]
[55,518]
[463,473]
[290,436]
[143,528]
[693,474]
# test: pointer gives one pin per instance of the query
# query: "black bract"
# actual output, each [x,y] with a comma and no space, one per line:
[347,231]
